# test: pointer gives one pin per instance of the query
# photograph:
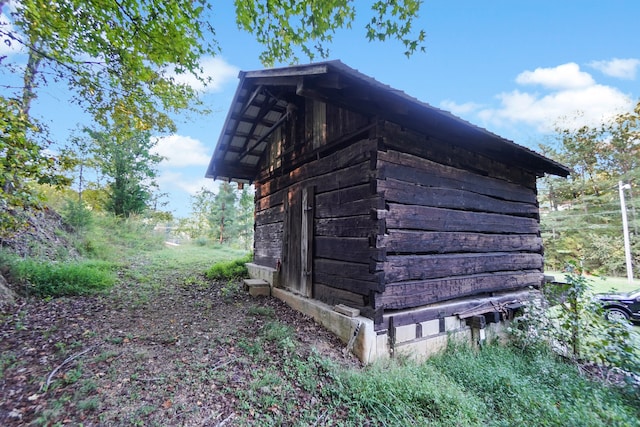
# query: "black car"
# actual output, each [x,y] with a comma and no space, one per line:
[621,306]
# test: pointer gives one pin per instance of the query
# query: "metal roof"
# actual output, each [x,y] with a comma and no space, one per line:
[261,100]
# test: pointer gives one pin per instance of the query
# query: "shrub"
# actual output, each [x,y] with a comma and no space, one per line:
[76,214]
[227,270]
[570,321]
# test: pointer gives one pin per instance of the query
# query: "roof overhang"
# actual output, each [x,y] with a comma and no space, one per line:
[261,102]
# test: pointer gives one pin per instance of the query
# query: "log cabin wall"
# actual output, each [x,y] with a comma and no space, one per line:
[456,223]
[335,155]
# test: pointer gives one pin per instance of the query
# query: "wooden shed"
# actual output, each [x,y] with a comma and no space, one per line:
[367,197]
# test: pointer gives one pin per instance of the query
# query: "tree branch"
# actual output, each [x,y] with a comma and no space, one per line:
[71,358]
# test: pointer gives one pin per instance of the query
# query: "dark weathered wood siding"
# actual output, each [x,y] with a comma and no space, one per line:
[456,224]
[341,171]
[400,221]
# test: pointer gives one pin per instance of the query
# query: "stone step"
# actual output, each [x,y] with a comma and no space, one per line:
[257,287]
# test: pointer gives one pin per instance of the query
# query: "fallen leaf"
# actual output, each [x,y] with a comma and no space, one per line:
[167,404]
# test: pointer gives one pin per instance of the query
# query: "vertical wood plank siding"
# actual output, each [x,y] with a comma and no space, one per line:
[456,224]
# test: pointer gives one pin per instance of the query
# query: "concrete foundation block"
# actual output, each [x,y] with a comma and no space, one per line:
[431,327]
[405,333]
[267,274]
[452,323]
[257,287]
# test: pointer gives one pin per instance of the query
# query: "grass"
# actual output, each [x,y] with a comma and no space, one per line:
[52,279]
[495,386]
[232,269]
[188,258]
[600,284]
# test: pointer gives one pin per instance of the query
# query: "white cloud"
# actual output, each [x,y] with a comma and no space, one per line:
[565,76]
[177,180]
[215,68]
[619,68]
[182,151]
[569,108]
[459,109]
[569,98]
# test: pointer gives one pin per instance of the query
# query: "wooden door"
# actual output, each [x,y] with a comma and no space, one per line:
[297,250]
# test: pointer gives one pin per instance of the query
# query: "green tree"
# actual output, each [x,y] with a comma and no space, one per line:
[245,218]
[197,224]
[584,219]
[114,57]
[224,213]
[129,167]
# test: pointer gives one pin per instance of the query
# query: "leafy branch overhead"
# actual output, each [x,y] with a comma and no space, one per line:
[115,55]
[283,27]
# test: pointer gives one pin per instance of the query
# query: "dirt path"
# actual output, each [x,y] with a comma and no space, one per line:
[162,349]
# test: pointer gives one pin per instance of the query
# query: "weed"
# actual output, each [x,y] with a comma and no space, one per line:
[115,340]
[575,326]
[90,404]
[48,332]
[280,334]
[251,347]
[61,347]
[201,241]
[195,281]
[54,411]
[7,360]
[530,389]
[88,386]
[230,290]
[106,355]
[257,311]
[77,214]
[73,375]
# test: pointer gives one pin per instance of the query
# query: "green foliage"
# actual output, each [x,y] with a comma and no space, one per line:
[77,214]
[117,59]
[571,322]
[23,163]
[244,222]
[49,279]
[224,212]
[125,159]
[114,54]
[123,62]
[280,334]
[109,237]
[225,216]
[262,312]
[230,290]
[229,270]
[533,388]
[197,225]
[284,28]
[589,199]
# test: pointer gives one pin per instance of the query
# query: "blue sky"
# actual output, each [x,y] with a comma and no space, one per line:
[516,68]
